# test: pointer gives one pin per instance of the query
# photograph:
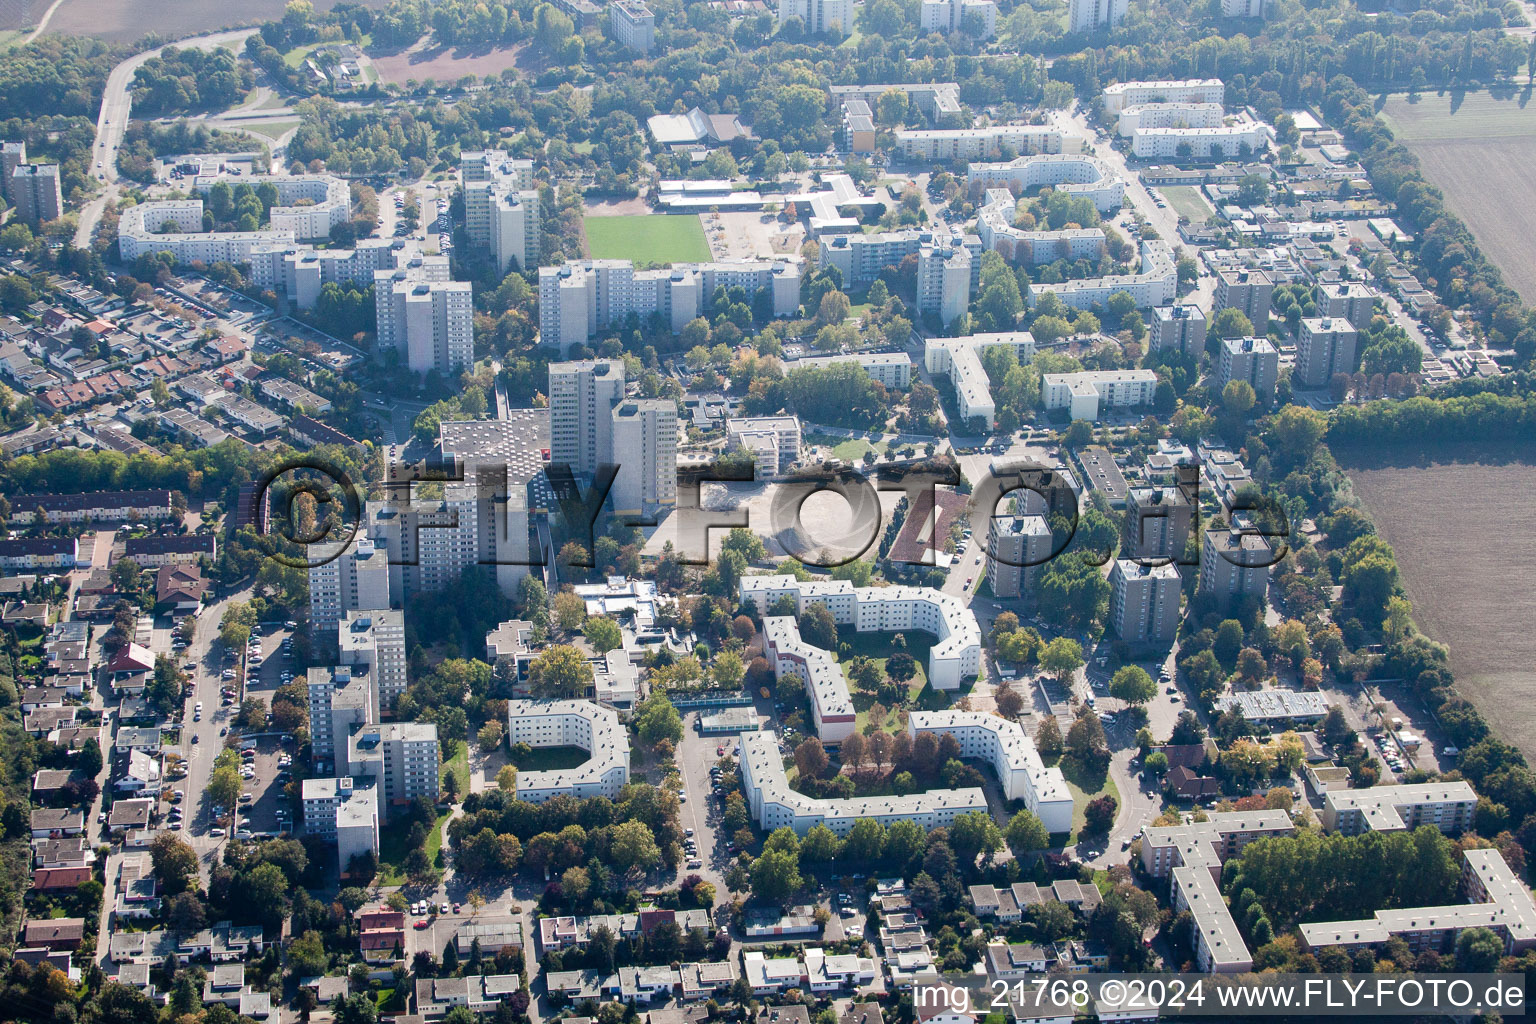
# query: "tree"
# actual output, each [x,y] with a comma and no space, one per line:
[818,628]
[1133,685]
[1156,763]
[1086,742]
[1026,833]
[633,845]
[1478,951]
[603,634]
[174,862]
[1099,815]
[560,671]
[1062,657]
[1048,740]
[811,759]
[1009,703]
[1230,322]
[776,875]
[728,670]
[972,834]
[656,719]
[570,610]
[1238,399]
[1227,643]
[901,666]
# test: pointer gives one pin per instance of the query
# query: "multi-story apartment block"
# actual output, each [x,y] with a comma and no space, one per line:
[1219,143]
[1253,360]
[354,578]
[340,700]
[975,17]
[785,431]
[96,506]
[994,225]
[1351,300]
[632,24]
[1094,15]
[582,396]
[1154,284]
[832,711]
[1234,563]
[1243,8]
[36,194]
[938,101]
[645,451]
[1247,290]
[570,723]
[139,232]
[994,142]
[861,258]
[1018,548]
[1158,523]
[583,297]
[501,208]
[1448,806]
[1168,115]
[1179,328]
[819,16]
[1012,755]
[1129,94]
[1087,393]
[373,643]
[1074,174]
[337,809]
[423,317]
[401,758]
[1192,855]
[1325,347]
[301,272]
[774,804]
[943,281]
[1144,601]
[858,127]
[960,359]
[12,156]
[892,369]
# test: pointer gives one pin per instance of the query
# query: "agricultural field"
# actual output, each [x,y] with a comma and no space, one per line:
[1469,566]
[126,21]
[443,64]
[1188,203]
[1478,148]
[651,240]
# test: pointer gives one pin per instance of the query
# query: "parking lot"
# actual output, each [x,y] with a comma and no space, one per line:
[268,661]
[264,808]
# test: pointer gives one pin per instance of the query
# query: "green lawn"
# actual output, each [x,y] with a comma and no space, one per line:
[651,240]
[1084,790]
[848,449]
[459,765]
[1187,201]
[266,129]
[551,759]
[878,647]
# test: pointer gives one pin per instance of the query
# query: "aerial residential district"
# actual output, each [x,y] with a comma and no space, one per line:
[614,510]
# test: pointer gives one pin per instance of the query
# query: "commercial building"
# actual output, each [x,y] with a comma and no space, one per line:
[645,452]
[819,16]
[1012,755]
[1158,523]
[956,653]
[1144,601]
[943,281]
[1177,328]
[34,191]
[994,142]
[1247,290]
[632,24]
[1325,347]
[570,723]
[1087,393]
[1093,15]
[341,699]
[1448,806]
[373,643]
[1074,174]
[1018,547]
[1155,284]
[960,359]
[1351,300]
[1129,94]
[974,17]
[1192,855]
[581,298]
[994,225]
[401,758]
[892,369]
[1234,563]
[773,804]
[1253,360]
[425,318]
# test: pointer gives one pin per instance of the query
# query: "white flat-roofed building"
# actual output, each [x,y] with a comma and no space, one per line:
[308,205]
[1276,706]
[357,579]
[1155,284]
[1087,393]
[336,809]
[957,652]
[957,15]
[819,16]
[340,700]
[139,231]
[1012,755]
[1169,115]
[1222,142]
[994,225]
[1018,548]
[570,723]
[1254,361]
[831,704]
[990,143]
[1144,601]
[645,452]
[425,317]
[1193,854]
[402,758]
[775,805]
[786,429]
[1325,347]
[937,100]
[633,25]
[861,258]
[1446,805]
[943,281]
[1179,328]
[763,447]
[34,191]
[374,641]
[1193,90]
[1247,290]
[960,358]
[1074,174]
[501,207]
[1351,300]
[893,369]
[1094,15]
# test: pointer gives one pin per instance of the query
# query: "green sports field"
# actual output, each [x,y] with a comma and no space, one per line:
[651,240]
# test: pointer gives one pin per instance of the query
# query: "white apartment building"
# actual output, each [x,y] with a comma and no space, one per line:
[1012,755]
[1179,328]
[581,298]
[401,758]
[1325,346]
[955,655]
[301,272]
[582,395]
[336,809]
[785,430]
[939,101]
[309,204]
[1074,174]
[1085,395]
[570,723]
[1219,143]
[1193,90]
[632,24]
[1093,15]
[35,192]
[763,447]
[645,451]
[819,15]
[892,369]
[1243,8]
[831,704]
[1351,300]
[501,207]
[1144,601]
[1247,290]
[944,282]
[1254,360]
[1448,806]
[373,643]
[340,700]
[354,578]
[424,317]
[139,232]
[960,359]
[516,231]
[994,224]
[774,804]
[1155,284]
[989,143]
[1169,115]
[860,258]
[949,16]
